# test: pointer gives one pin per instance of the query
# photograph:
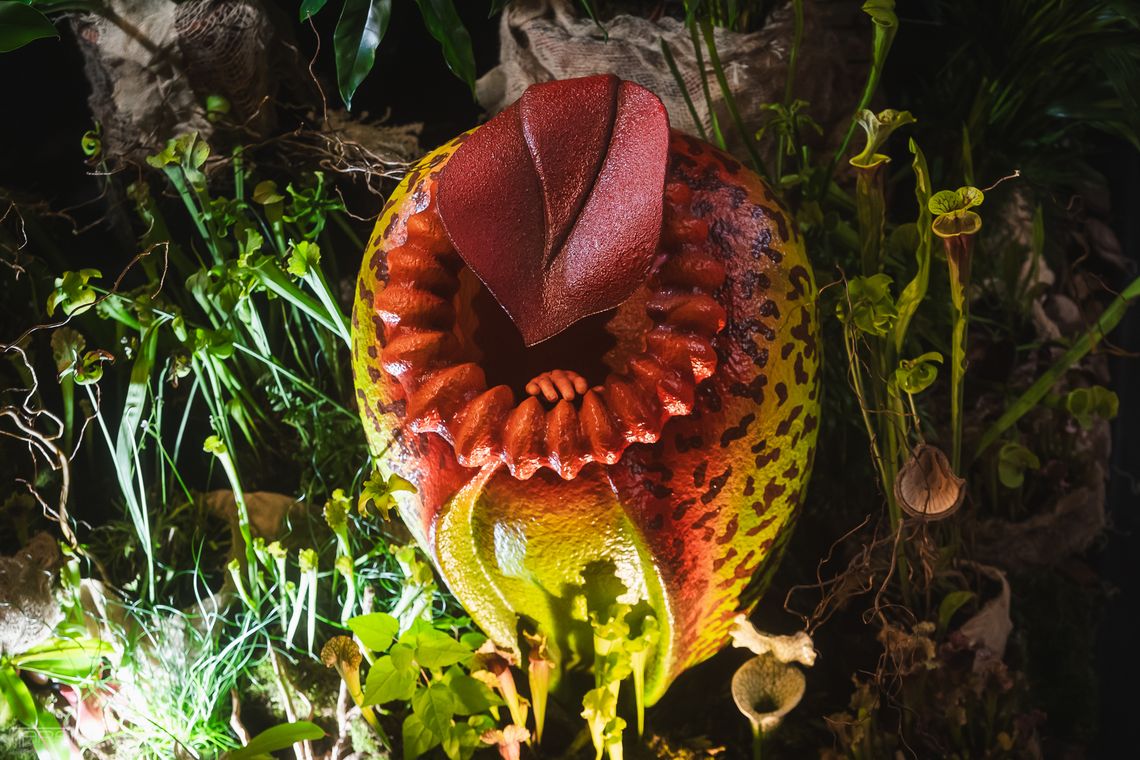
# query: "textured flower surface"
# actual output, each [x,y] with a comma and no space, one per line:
[672,483]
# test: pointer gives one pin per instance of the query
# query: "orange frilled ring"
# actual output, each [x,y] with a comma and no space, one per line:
[434,356]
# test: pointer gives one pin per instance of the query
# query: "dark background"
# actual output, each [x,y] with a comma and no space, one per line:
[43,113]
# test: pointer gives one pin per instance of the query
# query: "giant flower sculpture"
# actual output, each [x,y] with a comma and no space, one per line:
[589,341]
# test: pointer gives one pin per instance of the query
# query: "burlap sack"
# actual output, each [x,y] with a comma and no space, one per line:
[542,40]
[153,63]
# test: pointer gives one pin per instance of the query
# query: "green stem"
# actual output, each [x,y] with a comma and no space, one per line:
[958,253]
[717,134]
[880,46]
[1081,346]
[870,214]
[957,384]
[672,64]
[730,100]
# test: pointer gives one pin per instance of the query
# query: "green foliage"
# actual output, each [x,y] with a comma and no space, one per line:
[429,670]
[362,25]
[1033,395]
[1013,460]
[442,20]
[276,738]
[359,31]
[952,212]
[21,24]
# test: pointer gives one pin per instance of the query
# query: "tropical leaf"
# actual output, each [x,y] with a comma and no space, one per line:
[20,24]
[442,20]
[358,33]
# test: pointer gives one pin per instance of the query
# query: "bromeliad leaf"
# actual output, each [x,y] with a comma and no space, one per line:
[20,24]
[16,702]
[359,30]
[442,20]
[376,630]
[66,660]
[461,741]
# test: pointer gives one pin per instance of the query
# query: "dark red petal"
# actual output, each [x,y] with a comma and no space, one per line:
[556,203]
[572,113]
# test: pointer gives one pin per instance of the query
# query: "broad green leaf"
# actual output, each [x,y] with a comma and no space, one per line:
[358,33]
[472,640]
[48,739]
[20,24]
[16,702]
[402,655]
[461,741]
[389,681]
[418,738]
[951,603]
[311,8]
[376,630]
[442,20]
[868,304]
[435,649]
[65,659]
[471,695]
[277,738]
[435,706]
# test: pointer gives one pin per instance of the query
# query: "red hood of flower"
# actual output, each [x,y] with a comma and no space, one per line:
[556,203]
